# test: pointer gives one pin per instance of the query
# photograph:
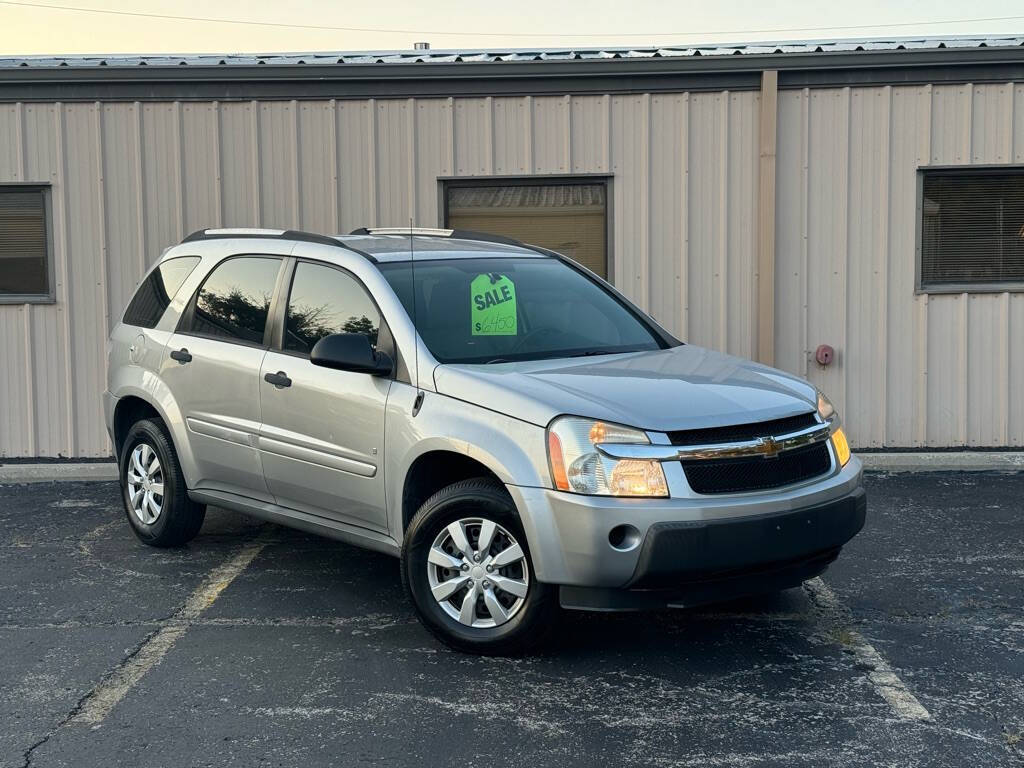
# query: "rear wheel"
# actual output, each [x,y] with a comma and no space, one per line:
[467,569]
[153,488]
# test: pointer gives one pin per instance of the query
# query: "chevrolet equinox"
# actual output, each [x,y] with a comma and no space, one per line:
[502,420]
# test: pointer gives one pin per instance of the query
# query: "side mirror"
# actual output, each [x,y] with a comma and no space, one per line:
[350,352]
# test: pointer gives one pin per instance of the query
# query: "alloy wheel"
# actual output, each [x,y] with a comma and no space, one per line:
[145,483]
[478,572]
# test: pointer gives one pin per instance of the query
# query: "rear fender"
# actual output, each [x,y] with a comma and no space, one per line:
[140,382]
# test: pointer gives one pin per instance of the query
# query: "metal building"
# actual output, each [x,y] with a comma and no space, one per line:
[759,199]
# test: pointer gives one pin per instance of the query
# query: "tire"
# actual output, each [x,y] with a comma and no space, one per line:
[173,519]
[522,618]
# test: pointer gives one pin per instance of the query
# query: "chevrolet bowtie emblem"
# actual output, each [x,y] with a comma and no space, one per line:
[769,446]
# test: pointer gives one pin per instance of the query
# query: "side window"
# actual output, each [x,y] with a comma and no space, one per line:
[25,259]
[323,301]
[971,229]
[157,290]
[234,300]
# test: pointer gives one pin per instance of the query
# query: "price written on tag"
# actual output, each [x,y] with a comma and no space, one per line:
[494,311]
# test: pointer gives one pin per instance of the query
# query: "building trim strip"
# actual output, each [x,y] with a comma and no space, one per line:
[422,80]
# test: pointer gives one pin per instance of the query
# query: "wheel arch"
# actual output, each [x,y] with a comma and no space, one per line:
[434,470]
[129,410]
[145,397]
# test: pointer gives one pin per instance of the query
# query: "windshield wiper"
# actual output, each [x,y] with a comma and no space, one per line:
[498,360]
[590,352]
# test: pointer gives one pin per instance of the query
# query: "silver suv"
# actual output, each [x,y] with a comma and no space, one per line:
[509,425]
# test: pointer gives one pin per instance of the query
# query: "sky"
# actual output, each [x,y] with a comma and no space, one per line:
[40,27]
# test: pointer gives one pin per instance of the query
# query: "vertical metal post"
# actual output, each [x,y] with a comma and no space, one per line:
[767,141]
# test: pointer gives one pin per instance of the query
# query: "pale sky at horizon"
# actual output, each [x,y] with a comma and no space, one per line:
[462,24]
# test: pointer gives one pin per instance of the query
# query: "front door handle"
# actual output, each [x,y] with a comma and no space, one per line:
[279,379]
[181,355]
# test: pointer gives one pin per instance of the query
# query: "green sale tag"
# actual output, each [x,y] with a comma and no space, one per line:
[494,306]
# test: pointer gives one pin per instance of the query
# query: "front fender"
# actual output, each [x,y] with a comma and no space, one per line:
[512,449]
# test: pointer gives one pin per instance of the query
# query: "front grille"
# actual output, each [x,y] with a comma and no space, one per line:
[738,432]
[755,473]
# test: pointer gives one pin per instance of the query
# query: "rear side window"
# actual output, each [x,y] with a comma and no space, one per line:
[234,300]
[323,301]
[157,290]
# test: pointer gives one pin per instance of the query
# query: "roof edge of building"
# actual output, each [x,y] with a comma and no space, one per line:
[640,74]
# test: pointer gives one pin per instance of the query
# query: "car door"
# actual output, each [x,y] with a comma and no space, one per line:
[322,436]
[212,368]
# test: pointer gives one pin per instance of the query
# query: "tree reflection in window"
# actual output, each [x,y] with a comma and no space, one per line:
[234,302]
[323,301]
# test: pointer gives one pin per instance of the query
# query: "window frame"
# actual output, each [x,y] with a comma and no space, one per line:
[279,308]
[923,288]
[188,314]
[446,183]
[50,297]
[280,321]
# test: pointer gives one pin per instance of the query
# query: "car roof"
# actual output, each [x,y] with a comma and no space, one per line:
[384,245]
[394,247]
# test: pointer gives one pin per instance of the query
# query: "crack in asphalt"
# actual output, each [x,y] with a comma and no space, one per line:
[75,710]
[93,706]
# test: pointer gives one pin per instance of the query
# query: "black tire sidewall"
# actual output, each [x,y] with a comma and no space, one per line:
[148,432]
[462,500]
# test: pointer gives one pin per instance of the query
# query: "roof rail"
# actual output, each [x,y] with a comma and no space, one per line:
[455,234]
[273,234]
[402,231]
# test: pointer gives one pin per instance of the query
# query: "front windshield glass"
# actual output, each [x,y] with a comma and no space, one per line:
[492,310]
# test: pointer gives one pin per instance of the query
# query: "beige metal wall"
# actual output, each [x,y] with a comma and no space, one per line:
[129,179]
[913,370]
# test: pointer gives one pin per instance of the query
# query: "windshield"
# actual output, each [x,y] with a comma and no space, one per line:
[493,310]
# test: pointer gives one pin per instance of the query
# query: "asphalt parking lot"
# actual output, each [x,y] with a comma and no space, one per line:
[261,646]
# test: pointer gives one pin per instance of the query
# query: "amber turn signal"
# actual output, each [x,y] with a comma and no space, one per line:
[842,447]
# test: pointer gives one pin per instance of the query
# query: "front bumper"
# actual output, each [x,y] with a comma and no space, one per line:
[686,564]
[686,538]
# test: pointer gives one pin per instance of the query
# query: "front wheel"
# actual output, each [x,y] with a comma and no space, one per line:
[467,569]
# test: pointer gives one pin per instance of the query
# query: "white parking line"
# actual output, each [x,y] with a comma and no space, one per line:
[886,682]
[105,696]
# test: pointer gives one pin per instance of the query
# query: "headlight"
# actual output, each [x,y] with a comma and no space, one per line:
[577,466]
[825,408]
[828,413]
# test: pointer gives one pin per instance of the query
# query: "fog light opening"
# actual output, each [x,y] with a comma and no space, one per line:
[624,538]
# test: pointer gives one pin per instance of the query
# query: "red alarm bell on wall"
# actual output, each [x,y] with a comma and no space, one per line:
[824,354]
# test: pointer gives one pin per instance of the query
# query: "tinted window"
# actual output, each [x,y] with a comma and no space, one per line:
[323,301]
[234,301]
[24,271]
[157,290]
[489,310]
[972,228]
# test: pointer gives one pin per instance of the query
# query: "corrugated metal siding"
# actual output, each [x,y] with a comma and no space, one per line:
[129,179]
[913,370]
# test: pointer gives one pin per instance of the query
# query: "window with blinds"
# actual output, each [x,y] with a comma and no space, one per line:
[972,229]
[566,216]
[24,258]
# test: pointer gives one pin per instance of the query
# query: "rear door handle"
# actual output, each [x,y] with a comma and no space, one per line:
[181,355]
[279,379]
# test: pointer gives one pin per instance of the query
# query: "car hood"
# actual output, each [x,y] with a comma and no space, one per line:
[685,387]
